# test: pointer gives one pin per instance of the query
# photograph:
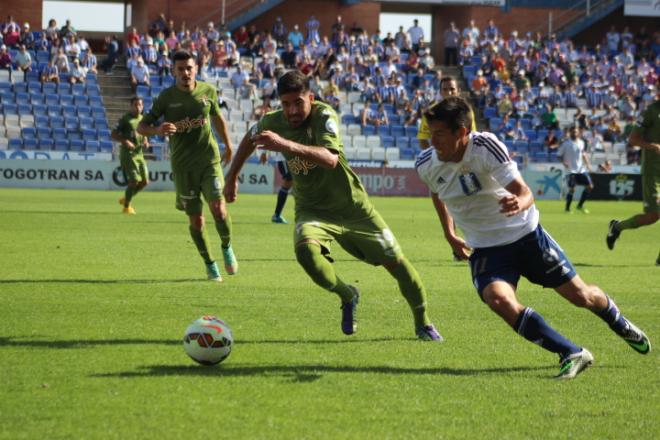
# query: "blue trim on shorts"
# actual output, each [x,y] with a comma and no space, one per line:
[536,256]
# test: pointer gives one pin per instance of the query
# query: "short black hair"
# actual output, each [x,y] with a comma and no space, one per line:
[453,111]
[181,55]
[135,98]
[292,82]
[447,79]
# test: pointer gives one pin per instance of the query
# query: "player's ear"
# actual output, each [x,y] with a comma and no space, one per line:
[311,96]
[463,131]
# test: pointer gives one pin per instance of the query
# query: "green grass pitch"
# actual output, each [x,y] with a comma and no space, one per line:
[93,305]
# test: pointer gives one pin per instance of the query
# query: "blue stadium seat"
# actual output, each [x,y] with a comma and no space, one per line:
[84,110]
[52,99]
[86,122]
[89,134]
[490,112]
[61,145]
[536,146]
[414,143]
[383,130]
[66,99]
[494,123]
[531,135]
[10,109]
[78,89]
[49,87]
[411,131]
[36,98]
[142,91]
[15,144]
[41,120]
[56,122]
[101,123]
[7,96]
[407,154]
[65,87]
[96,101]
[155,90]
[77,145]
[69,110]
[43,133]
[402,142]
[70,123]
[43,56]
[22,97]
[19,87]
[105,146]
[73,135]
[24,109]
[46,144]
[29,133]
[92,145]
[59,133]
[5,86]
[98,112]
[348,119]
[168,81]
[386,141]
[368,130]
[104,135]
[79,100]
[40,109]
[93,90]
[398,130]
[30,144]
[541,133]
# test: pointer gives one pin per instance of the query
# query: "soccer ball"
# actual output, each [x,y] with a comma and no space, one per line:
[208,340]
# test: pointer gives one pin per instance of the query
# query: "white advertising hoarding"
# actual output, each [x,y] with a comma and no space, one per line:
[96,174]
[646,8]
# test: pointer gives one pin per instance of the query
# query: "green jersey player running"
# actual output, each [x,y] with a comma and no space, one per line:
[331,203]
[188,108]
[131,156]
[647,136]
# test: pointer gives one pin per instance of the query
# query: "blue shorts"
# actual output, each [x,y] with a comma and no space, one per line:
[536,256]
[579,179]
[284,170]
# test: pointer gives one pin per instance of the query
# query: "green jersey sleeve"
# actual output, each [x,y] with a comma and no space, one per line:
[325,128]
[157,110]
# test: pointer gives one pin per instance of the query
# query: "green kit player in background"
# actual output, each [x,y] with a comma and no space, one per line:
[131,155]
[647,136]
[331,203]
[188,108]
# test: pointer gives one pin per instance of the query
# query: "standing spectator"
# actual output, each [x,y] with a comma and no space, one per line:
[52,32]
[471,33]
[573,155]
[400,37]
[24,61]
[452,37]
[279,32]
[416,33]
[133,37]
[613,39]
[295,37]
[139,75]
[491,32]
[238,77]
[158,25]
[6,62]
[112,53]
[67,30]
[212,33]
[312,26]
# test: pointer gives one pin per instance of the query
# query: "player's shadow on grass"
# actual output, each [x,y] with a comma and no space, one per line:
[312,372]
[86,343]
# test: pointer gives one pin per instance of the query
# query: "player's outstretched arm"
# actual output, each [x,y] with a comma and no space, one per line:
[269,140]
[637,139]
[520,199]
[220,127]
[245,149]
[458,245]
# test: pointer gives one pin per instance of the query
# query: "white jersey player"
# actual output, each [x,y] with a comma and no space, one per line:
[474,182]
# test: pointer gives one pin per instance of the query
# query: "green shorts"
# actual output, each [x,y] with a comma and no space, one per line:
[135,169]
[651,186]
[190,185]
[368,239]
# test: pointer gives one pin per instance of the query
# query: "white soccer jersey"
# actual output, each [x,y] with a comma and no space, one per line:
[472,188]
[571,151]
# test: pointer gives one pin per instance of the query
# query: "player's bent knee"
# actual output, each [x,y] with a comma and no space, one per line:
[197,221]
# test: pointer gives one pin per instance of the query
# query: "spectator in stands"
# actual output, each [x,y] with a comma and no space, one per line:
[295,37]
[471,33]
[171,41]
[549,118]
[89,61]
[269,90]
[605,167]
[67,30]
[594,140]
[247,90]
[491,32]
[613,39]
[139,75]
[6,61]
[289,56]
[279,32]
[43,43]
[416,33]
[50,72]
[375,117]
[241,36]
[452,38]
[506,129]
[52,31]
[23,61]
[480,84]
[132,37]
[72,47]
[312,25]
[112,53]
[613,131]
[149,54]
[519,132]
[551,141]
[427,61]
[26,37]
[62,61]
[158,25]
[238,77]
[77,74]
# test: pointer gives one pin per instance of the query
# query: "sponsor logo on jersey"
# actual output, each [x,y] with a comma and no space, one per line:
[331,126]
[469,183]
[186,125]
[300,166]
[175,104]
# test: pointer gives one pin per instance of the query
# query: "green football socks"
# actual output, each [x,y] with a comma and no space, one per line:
[629,223]
[224,230]
[413,290]
[201,240]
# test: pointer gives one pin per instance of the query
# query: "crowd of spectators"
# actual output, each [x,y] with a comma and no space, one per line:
[65,50]
[523,81]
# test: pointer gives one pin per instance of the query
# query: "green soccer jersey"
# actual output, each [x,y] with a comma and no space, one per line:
[332,194]
[649,128]
[127,129]
[193,145]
